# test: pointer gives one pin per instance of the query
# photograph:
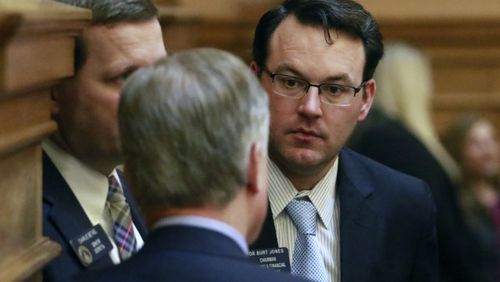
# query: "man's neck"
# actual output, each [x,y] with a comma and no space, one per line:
[234,214]
[305,179]
[171,212]
[102,166]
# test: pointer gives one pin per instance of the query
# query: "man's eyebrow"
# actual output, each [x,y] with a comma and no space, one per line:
[343,77]
[288,68]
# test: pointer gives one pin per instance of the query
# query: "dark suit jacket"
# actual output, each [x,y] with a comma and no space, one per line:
[64,219]
[183,253]
[387,224]
[389,142]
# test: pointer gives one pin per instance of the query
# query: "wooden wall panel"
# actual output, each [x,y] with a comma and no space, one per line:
[25,120]
[51,52]
[21,226]
[189,25]
[24,250]
[462,39]
[36,52]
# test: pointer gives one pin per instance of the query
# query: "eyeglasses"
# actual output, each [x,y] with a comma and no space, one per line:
[296,88]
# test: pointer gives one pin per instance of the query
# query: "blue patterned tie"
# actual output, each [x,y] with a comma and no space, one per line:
[122,222]
[307,261]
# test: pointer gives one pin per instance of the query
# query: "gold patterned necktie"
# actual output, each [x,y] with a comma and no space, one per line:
[123,231]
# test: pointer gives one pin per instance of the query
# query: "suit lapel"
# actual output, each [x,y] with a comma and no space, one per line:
[66,212]
[358,220]
[267,238]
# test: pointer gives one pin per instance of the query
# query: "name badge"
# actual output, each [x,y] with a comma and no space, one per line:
[91,245]
[276,258]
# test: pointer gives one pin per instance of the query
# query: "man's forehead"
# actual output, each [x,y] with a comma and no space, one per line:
[138,42]
[300,45]
[292,31]
[120,34]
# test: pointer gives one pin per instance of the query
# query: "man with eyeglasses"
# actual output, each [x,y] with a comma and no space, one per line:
[342,216]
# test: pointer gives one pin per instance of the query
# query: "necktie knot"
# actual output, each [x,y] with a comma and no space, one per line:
[303,214]
[115,192]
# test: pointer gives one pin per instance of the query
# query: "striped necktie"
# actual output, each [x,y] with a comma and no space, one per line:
[307,262]
[123,231]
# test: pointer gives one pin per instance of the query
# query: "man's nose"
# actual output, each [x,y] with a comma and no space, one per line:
[310,104]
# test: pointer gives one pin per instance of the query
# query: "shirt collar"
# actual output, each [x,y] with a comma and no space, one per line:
[89,186]
[282,191]
[206,223]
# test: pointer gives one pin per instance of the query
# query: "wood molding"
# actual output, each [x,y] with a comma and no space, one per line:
[37,41]
[36,52]
[462,40]
[27,137]
[184,28]
[439,32]
[32,60]
[467,102]
[424,10]
[22,264]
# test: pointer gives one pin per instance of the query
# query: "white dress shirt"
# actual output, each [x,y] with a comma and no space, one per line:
[90,188]
[282,191]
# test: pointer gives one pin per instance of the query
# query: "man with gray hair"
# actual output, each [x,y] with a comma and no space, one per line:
[87,207]
[194,131]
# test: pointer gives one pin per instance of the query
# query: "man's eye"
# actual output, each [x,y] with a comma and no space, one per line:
[125,75]
[336,89]
[120,78]
[289,82]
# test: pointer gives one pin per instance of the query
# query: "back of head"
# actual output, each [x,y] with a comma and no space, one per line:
[404,83]
[344,15]
[187,125]
[456,134]
[471,140]
[110,12]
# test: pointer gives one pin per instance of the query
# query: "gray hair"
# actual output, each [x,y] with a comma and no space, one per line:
[187,125]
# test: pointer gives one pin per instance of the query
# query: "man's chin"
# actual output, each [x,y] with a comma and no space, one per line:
[302,159]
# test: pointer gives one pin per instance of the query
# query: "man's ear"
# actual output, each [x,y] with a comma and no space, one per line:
[255,69]
[256,178]
[255,193]
[55,93]
[368,93]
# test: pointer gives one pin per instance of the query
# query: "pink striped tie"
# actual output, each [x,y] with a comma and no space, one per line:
[122,221]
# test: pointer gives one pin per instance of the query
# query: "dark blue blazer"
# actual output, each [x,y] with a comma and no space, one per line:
[387,224]
[64,219]
[183,253]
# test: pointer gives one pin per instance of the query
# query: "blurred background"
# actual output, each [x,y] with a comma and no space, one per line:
[459,41]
